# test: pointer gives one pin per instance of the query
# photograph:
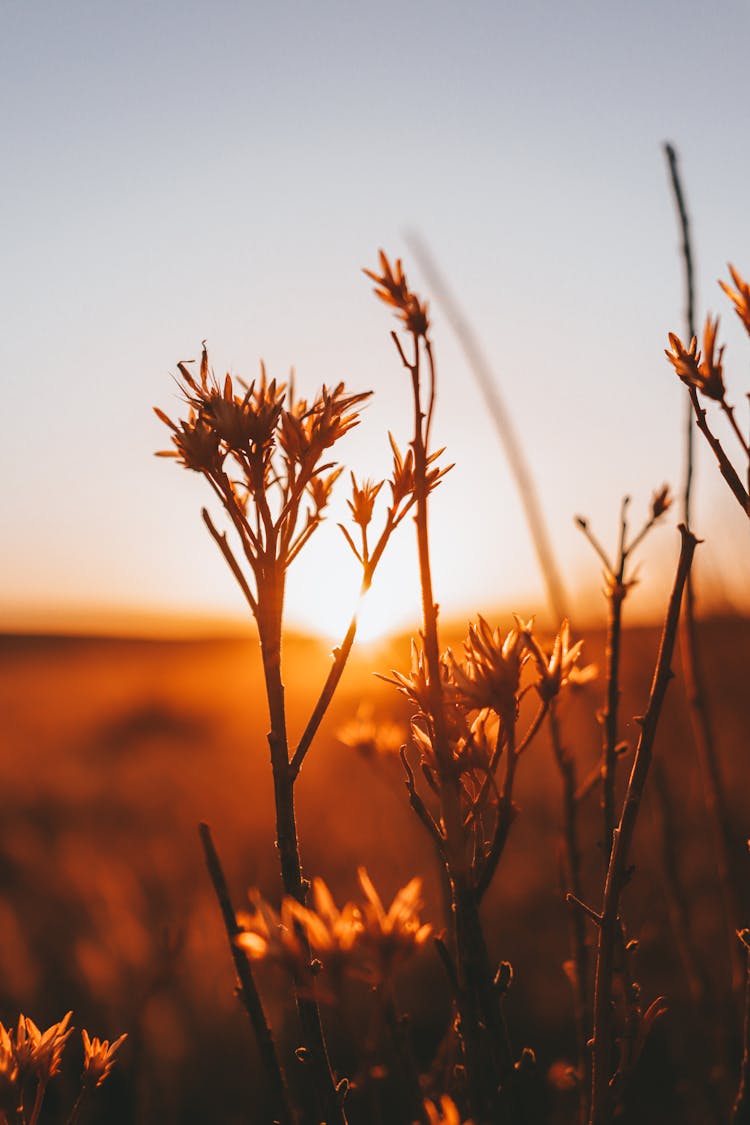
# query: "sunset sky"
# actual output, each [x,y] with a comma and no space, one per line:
[180,171]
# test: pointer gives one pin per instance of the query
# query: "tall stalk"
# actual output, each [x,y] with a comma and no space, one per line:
[725,844]
[608,920]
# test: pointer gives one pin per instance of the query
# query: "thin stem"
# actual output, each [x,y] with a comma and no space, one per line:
[617,872]
[75,1112]
[579,945]
[726,467]
[38,1100]
[505,817]
[270,604]
[727,849]
[741,1109]
[478,1003]
[610,712]
[248,991]
[729,412]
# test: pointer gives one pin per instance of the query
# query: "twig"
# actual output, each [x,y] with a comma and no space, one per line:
[617,872]
[741,1109]
[248,991]
[725,844]
[580,949]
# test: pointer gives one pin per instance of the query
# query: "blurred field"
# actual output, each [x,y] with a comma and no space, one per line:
[112,751]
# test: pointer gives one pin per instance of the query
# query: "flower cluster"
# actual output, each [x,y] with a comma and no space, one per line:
[27,1053]
[362,939]
[264,453]
[481,692]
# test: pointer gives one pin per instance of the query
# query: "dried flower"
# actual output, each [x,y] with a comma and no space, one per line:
[705,374]
[491,673]
[556,670]
[98,1057]
[711,368]
[196,443]
[268,936]
[41,1051]
[392,288]
[394,933]
[329,929]
[363,500]
[740,296]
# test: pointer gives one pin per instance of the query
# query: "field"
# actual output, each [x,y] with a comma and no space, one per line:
[114,750]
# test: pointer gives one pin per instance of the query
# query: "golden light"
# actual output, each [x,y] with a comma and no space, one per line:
[323,591]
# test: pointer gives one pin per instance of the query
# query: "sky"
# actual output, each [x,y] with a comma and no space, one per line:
[181,171]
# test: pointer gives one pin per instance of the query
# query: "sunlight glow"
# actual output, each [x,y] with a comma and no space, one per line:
[323,593]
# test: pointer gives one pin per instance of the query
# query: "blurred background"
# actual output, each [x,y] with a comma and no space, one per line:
[180,172]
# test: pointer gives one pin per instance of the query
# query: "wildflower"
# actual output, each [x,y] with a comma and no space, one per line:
[328,929]
[41,1051]
[416,687]
[416,684]
[394,933]
[196,443]
[402,478]
[491,673]
[245,424]
[705,374]
[98,1057]
[559,668]
[268,936]
[711,369]
[363,500]
[444,1114]
[392,288]
[740,296]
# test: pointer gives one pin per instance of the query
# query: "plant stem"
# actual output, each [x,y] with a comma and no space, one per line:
[487,1071]
[617,871]
[732,880]
[248,991]
[75,1112]
[580,950]
[741,1108]
[270,605]
[609,715]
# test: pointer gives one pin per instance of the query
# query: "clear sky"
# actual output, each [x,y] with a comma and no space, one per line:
[175,171]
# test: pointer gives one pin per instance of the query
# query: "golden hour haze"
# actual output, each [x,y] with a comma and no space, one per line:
[374,620]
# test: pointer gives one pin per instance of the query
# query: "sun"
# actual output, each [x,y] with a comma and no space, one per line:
[323,591]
